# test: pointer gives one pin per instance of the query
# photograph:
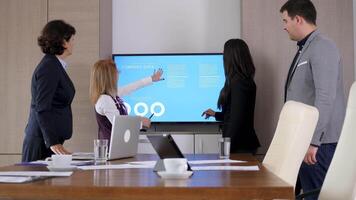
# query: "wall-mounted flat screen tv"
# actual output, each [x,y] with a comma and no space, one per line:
[192,83]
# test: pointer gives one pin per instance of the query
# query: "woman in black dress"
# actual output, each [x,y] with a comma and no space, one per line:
[237,98]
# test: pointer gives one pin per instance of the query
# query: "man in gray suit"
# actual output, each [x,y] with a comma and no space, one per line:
[315,78]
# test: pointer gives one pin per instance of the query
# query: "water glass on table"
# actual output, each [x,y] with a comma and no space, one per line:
[224,147]
[100,151]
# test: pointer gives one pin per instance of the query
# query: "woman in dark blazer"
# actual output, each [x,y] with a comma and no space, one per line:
[237,98]
[52,92]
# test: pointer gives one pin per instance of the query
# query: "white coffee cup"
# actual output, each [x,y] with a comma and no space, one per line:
[175,165]
[61,160]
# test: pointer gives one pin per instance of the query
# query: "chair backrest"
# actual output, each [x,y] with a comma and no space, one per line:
[295,128]
[340,180]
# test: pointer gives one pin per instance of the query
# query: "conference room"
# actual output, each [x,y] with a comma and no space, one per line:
[181,43]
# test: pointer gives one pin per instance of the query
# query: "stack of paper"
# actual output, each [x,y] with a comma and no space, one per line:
[45,163]
[26,176]
[119,166]
[18,179]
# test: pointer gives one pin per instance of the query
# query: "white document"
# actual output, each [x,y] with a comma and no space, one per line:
[41,162]
[120,166]
[192,162]
[150,162]
[221,161]
[83,155]
[237,168]
[73,162]
[34,173]
[18,179]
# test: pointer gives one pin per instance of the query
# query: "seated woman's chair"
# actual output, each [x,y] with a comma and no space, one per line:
[291,140]
[340,180]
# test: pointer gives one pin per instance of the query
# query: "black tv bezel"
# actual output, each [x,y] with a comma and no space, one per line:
[171,54]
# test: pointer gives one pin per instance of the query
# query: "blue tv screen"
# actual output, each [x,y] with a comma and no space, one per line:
[192,83]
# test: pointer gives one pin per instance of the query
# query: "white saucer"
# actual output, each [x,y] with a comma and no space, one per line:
[173,175]
[61,169]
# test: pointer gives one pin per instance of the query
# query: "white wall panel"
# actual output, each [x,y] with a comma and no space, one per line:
[174,26]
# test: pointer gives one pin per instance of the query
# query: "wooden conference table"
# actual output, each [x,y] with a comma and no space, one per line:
[144,184]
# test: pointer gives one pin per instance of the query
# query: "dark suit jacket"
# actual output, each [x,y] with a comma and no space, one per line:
[238,116]
[50,114]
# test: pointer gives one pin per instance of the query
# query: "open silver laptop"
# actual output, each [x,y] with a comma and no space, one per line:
[124,137]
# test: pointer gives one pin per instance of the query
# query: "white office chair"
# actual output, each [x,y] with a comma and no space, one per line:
[340,181]
[291,140]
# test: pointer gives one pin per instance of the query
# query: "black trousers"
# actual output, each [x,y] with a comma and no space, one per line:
[34,148]
[312,176]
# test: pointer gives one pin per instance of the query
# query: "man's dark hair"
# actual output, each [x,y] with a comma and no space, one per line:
[53,35]
[303,8]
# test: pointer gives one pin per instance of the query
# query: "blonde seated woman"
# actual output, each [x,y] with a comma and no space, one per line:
[105,94]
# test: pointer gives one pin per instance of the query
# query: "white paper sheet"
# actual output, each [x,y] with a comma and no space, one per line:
[18,179]
[34,173]
[221,161]
[83,156]
[121,166]
[73,162]
[150,162]
[41,162]
[192,162]
[238,168]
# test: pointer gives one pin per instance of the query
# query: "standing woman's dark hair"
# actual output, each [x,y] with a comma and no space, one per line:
[238,63]
[52,92]
[237,98]
[53,36]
